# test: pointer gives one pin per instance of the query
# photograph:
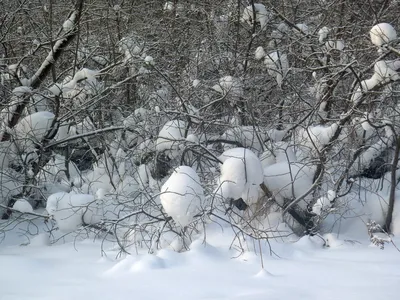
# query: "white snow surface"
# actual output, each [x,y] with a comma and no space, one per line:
[303,270]
[182,195]
[241,175]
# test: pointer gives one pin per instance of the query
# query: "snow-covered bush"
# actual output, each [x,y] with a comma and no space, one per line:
[106,116]
[182,195]
[71,211]
[32,129]
[170,136]
[241,175]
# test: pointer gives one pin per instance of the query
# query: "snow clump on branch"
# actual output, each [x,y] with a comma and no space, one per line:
[277,63]
[382,33]
[241,175]
[261,13]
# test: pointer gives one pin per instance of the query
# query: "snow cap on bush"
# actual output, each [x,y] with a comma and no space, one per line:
[241,175]
[382,33]
[182,195]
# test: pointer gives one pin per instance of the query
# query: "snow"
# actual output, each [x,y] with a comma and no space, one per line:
[68,25]
[169,5]
[382,33]
[289,181]
[277,64]
[170,135]
[70,210]
[335,45]
[229,85]
[79,270]
[262,15]
[182,195]
[241,175]
[21,91]
[248,136]
[303,28]
[366,157]
[260,53]
[149,60]
[314,138]
[85,74]
[32,128]
[196,83]
[23,206]
[323,34]
[323,203]
[386,70]
[365,86]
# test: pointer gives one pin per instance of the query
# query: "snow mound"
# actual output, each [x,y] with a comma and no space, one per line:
[263,274]
[23,206]
[171,258]
[171,241]
[149,60]
[315,137]
[289,181]
[382,33]
[71,211]
[32,129]
[34,126]
[148,262]
[182,195]
[86,74]
[241,175]
[260,53]
[201,251]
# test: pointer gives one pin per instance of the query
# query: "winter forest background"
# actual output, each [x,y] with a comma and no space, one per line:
[141,122]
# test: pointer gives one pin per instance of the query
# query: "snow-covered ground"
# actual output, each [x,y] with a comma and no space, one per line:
[300,270]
